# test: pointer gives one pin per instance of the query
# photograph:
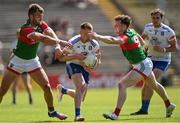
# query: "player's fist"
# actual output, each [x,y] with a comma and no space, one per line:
[58,54]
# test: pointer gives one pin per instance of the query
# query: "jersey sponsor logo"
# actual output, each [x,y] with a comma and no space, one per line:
[154,41]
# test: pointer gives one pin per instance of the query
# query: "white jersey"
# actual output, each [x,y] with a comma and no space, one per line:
[78,47]
[158,36]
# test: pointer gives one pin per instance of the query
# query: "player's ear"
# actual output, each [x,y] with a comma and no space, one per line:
[31,17]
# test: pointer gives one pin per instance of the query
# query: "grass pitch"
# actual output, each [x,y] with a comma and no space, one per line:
[98,101]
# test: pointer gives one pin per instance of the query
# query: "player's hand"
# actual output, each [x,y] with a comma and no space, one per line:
[65,43]
[58,54]
[80,56]
[93,35]
[88,69]
[158,48]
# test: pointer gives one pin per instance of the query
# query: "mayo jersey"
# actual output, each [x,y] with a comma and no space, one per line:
[27,48]
[91,46]
[158,36]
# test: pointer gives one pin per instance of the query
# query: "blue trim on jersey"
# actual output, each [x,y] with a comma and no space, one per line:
[75,40]
[93,43]
[162,65]
[165,28]
[72,68]
[149,25]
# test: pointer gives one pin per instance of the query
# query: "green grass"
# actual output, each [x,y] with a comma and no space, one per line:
[98,101]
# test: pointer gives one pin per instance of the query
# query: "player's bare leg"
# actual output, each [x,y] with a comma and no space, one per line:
[61,90]
[41,79]
[146,94]
[14,91]
[80,88]
[128,80]
[26,80]
[7,80]
[151,81]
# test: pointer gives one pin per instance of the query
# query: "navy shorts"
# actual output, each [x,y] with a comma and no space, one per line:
[76,68]
[162,65]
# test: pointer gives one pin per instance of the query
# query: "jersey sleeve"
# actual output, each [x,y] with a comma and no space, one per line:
[124,38]
[25,31]
[145,31]
[44,26]
[170,34]
[95,45]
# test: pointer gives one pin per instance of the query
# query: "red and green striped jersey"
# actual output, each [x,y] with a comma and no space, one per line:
[132,48]
[27,48]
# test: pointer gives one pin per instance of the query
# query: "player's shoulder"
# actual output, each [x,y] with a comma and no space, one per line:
[166,28]
[44,25]
[26,28]
[149,25]
[75,39]
[94,42]
[26,25]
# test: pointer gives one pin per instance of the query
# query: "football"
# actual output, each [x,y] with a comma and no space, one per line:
[91,60]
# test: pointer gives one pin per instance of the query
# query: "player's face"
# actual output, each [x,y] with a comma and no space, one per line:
[119,27]
[37,18]
[84,34]
[156,20]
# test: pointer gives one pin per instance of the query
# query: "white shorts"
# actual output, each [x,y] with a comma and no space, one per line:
[19,65]
[144,68]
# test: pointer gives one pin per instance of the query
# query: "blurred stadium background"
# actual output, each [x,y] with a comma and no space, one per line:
[65,17]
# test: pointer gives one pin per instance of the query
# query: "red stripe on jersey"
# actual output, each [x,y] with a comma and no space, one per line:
[26,40]
[124,37]
[44,25]
[126,46]
[27,30]
[129,46]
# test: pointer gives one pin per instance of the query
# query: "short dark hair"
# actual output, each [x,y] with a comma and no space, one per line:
[156,11]
[125,19]
[33,8]
[86,25]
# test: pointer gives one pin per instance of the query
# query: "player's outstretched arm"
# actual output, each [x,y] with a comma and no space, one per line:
[38,37]
[68,55]
[106,39]
[51,33]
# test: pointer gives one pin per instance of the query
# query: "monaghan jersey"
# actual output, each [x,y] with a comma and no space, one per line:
[158,36]
[27,48]
[132,48]
[91,46]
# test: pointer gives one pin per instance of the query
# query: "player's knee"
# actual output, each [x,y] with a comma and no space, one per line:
[83,88]
[121,85]
[3,91]
[47,88]
[80,88]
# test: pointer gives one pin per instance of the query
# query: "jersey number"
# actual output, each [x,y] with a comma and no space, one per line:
[137,40]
